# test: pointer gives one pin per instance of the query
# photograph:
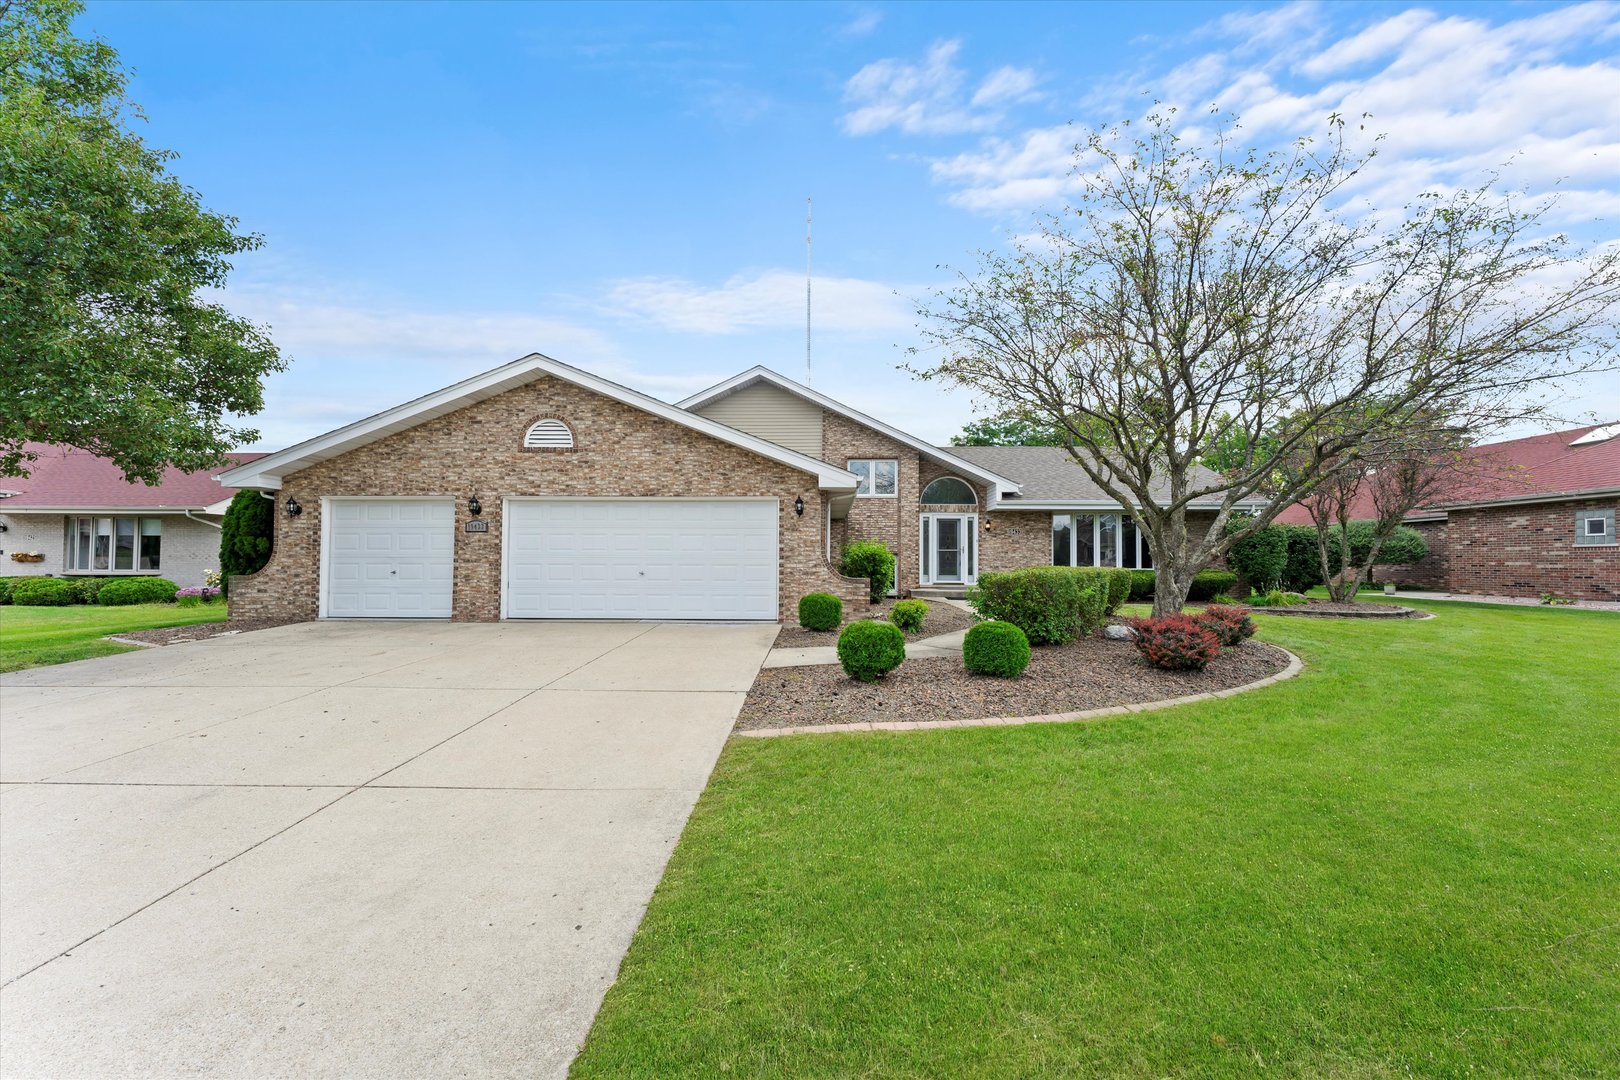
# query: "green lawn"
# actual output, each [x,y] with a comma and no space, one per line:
[1405,862]
[36,636]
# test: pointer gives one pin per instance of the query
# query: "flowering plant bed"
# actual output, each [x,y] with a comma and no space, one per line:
[1087,673]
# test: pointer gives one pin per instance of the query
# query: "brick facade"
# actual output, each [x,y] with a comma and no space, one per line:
[619,452]
[892,521]
[190,546]
[1428,572]
[1528,550]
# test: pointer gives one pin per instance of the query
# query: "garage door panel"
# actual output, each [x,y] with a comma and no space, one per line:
[390,558]
[641,558]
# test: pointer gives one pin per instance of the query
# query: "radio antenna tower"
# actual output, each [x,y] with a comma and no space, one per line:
[807,256]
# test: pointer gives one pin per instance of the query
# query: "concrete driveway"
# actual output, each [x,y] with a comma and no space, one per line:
[345,849]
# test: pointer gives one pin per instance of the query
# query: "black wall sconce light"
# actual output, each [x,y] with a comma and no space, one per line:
[474,507]
[798,506]
[293,509]
[4,527]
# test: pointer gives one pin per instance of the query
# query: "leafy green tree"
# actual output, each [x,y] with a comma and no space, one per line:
[106,338]
[1007,431]
[245,536]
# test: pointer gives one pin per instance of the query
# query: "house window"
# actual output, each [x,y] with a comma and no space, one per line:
[115,545]
[1594,528]
[949,491]
[548,435]
[1099,540]
[879,477]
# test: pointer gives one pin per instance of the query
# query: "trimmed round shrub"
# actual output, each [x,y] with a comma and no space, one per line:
[908,615]
[995,648]
[820,611]
[871,560]
[42,592]
[869,649]
[1231,625]
[1176,642]
[136,590]
[5,588]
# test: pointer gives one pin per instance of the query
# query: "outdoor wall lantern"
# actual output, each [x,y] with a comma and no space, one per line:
[474,507]
[798,506]
[293,509]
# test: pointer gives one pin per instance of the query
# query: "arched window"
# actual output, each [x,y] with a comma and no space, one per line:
[948,491]
[548,435]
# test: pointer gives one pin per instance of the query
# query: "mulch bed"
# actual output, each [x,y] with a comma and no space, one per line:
[174,635]
[1091,673]
[942,619]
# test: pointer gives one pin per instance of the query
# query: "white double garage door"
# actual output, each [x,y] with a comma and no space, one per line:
[560,558]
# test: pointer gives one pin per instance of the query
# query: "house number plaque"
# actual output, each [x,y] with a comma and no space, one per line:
[476,525]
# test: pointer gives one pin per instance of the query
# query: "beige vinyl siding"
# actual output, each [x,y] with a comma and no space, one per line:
[770,413]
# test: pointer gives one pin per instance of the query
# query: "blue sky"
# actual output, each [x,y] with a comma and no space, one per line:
[443,188]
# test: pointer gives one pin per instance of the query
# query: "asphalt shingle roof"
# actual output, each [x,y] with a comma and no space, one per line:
[71,478]
[1048,473]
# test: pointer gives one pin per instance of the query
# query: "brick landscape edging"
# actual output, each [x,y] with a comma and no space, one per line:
[1295,666]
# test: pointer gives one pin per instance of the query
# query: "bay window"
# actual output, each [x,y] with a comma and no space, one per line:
[114,545]
[1099,540]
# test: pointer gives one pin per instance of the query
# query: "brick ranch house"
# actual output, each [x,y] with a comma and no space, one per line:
[1539,518]
[75,515]
[539,490]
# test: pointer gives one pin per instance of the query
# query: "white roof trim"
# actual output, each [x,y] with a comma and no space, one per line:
[1544,497]
[110,511]
[999,484]
[266,472]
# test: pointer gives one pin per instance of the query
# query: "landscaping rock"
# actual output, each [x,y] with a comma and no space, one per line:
[1116,632]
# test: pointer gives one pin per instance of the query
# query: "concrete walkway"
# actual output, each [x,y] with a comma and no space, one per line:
[940,645]
[1468,598]
[345,849]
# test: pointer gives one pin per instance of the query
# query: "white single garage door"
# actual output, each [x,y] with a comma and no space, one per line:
[641,558]
[389,558]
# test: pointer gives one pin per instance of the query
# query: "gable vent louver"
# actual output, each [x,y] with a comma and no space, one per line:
[548,435]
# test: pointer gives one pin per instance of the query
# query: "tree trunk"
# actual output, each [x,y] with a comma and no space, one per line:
[1170,589]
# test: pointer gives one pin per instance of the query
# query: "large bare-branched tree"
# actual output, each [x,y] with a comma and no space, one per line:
[1212,300]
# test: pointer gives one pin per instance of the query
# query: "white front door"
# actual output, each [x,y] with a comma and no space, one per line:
[949,555]
[641,558]
[388,558]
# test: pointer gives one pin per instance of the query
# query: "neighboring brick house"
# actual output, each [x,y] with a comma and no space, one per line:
[1538,517]
[74,515]
[538,490]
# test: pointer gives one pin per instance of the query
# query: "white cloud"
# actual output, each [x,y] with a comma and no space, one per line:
[1457,96]
[772,299]
[930,98]
[862,24]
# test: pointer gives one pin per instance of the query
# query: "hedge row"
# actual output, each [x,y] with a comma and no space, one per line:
[62,591]
[1205,584]
[1050,604]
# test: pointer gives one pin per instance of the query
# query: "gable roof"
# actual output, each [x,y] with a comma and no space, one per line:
[1539,468]
[1051,478]
[999,483]
[67,478]
[266,472]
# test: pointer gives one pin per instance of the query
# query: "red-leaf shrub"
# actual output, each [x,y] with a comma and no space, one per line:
[1176,642]
[1230,624]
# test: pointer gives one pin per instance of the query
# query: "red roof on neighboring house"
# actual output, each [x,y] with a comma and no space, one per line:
[1539,466]
[70,478]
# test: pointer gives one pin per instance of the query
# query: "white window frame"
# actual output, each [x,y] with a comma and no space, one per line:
[1604,537]
[863,490]
[925,555]
[70,560]
[1096,537]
